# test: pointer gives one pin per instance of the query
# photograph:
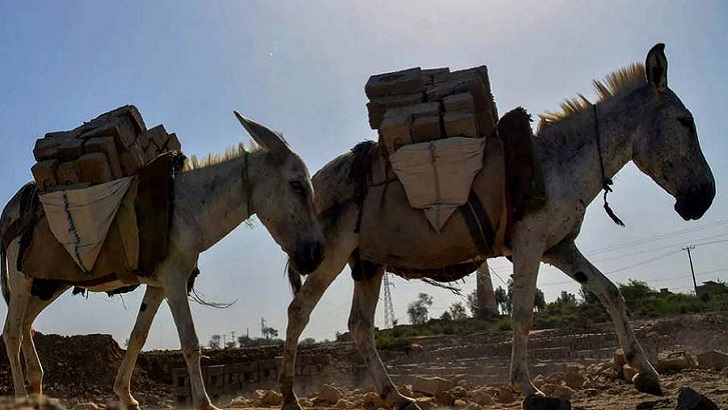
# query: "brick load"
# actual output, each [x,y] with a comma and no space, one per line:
[113,145]
[417,105]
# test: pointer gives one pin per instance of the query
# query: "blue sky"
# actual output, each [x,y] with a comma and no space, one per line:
[300,67]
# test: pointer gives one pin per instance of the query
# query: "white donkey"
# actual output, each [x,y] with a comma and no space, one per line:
[637,118]
[209,202]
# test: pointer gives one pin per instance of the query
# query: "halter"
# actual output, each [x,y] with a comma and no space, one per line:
[246,183]
[606,182]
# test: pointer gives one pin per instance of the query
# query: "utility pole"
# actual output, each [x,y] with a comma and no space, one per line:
[388,307]
[692,270]
[232,334]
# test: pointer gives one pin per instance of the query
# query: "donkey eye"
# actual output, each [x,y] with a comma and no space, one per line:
[298,188]
[686,122]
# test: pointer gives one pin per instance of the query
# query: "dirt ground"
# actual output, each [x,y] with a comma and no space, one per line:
[79,372]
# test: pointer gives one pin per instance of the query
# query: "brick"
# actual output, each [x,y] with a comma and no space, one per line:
[173,144]
[151,152]
[143,140]
[428,75]
[69,149]
[94,168]
[158,135]
[131,160]
[426,129]
[459,102]
[44,173]
[378,106]
[415,111]
[106,146]
[484,103]
[394,133]
[394,83]
[67,174]
[460,124]
[47,147]
[121,129]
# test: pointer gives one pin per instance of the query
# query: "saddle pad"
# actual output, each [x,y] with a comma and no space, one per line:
[392,233]
[80,218]
[437,175]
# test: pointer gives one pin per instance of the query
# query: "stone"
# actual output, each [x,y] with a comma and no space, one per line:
[86,406]
[69,149]
[426,403]
[459,403]
[459,392]
[689,399]
[713,359]
[344,404]
[328,395]
[671,362]
[406,390]
[574,379]
[444,398]
[239,401]
[430,385]
[266,398]
[67,173]
[372,401]
[173,143]
[504,395]
[47,147]
[628,373]
[482,398]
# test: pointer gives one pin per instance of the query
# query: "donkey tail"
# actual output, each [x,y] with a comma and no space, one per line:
[294,278]
[4,276]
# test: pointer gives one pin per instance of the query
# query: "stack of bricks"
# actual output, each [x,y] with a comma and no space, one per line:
[417,105]
[116,144]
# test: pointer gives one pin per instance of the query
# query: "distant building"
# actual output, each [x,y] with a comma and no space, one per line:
[710,288]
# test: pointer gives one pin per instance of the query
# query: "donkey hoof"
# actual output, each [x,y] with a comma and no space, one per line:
[647,383]
[537,402]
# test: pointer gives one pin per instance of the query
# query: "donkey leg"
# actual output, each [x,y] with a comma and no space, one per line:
[361,325]
[176,291]
[30,354]
[12,332]
[567,257]
[153,297]
[526,259]
[339,247]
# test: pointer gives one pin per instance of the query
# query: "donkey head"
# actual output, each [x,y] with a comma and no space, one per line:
[283,198]
[667,148]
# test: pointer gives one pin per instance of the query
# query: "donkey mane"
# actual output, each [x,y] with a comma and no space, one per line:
[231,153]
[621,81]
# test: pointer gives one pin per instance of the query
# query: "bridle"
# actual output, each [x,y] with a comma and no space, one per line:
[606,181]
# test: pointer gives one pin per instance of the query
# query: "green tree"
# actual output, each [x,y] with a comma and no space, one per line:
[214,342]
[472,302]
[501,299]
[269,332]
[446,316]
[540,302]
[566,299]
[418,310]
[457,311]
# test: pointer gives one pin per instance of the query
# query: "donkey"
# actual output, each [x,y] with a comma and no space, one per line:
[637,118]
[209,202]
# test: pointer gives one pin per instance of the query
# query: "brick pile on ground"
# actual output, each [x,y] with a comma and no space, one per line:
[417,105]
[113,145]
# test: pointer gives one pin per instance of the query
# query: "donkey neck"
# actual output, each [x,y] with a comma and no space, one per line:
[570,154]
[212,201]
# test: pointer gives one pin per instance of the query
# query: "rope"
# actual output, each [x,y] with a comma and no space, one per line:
[606,182]
[74,232]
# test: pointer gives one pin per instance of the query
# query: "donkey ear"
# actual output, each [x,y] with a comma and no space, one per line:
[656,66]
[270,140]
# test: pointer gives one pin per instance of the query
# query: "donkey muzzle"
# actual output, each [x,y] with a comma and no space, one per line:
[694,203]
[308,256]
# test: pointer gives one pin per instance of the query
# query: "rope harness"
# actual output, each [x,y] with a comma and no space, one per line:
[606,182]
